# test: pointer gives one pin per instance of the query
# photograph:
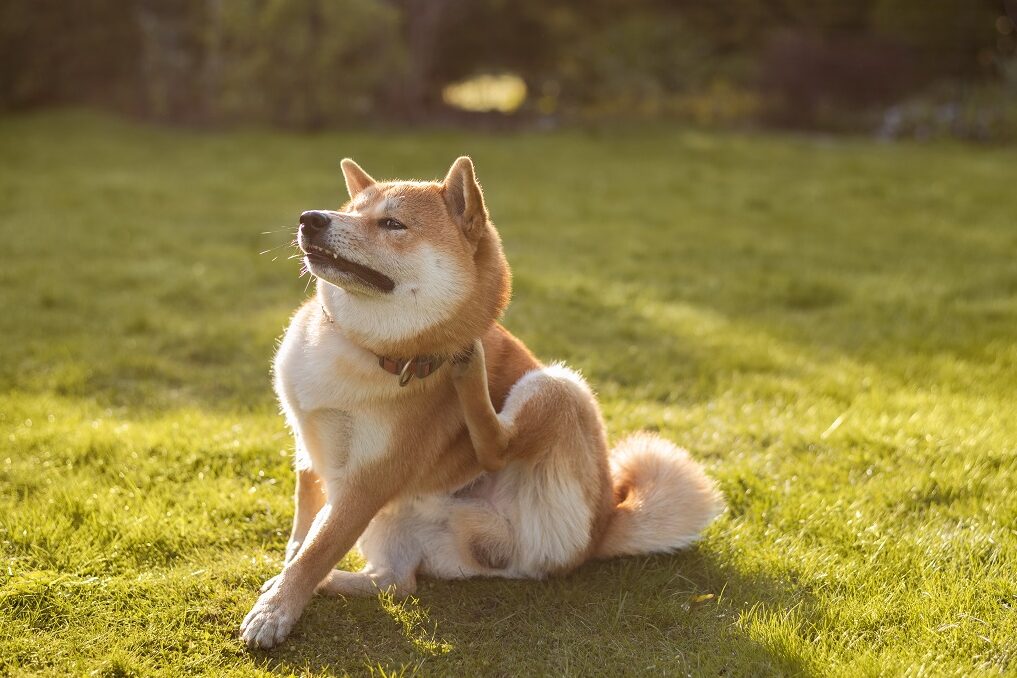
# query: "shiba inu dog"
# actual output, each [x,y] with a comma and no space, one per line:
[428,435]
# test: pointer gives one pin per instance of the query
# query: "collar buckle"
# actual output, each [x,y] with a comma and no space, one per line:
[407,373]
[418,366]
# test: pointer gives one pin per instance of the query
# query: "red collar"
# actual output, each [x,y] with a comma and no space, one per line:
[420,366]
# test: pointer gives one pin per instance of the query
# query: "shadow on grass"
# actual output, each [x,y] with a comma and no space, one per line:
[660,615]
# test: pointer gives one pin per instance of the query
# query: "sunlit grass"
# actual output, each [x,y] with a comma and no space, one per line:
[829,325]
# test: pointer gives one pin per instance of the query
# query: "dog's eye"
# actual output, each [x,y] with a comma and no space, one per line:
[392,224]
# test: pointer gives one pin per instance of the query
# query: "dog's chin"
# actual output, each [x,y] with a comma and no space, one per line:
[351,276]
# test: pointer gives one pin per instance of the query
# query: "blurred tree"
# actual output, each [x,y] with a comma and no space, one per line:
[311,63]
[637,61]
[826,62]
[425,23]
[306,63]
[173,51]
[56,52]
[489,36]
[948,37]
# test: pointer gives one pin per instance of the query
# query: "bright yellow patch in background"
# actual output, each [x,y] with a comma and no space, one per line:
[483,93]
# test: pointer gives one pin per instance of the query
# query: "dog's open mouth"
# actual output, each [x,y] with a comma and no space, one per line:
[323,257]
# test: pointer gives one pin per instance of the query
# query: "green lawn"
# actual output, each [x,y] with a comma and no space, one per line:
[830,325]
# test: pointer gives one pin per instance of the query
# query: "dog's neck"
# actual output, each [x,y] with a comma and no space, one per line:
[342,310]
[420,366]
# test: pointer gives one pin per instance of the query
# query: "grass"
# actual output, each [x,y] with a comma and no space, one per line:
[828,324]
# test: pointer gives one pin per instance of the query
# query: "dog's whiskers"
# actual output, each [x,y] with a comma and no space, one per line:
[309,278]
[272,249]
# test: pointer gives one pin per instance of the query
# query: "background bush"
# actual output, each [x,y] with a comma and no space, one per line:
[304,63]
[314,63]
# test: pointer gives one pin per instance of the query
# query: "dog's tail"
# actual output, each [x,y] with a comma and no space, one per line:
[663,498]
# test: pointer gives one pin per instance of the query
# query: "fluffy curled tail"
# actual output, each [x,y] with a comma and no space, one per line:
[663,498]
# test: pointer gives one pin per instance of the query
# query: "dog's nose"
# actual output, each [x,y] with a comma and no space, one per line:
[313,221]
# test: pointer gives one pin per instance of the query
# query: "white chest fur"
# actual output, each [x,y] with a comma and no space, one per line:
[334,395]
[336,443]
[317,367]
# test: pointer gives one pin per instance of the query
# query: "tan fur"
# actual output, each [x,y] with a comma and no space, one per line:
[493,465]
[663,500]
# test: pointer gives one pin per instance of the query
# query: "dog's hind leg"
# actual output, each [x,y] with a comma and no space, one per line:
[390,546]
[482,534]
[368,582]
[465,537]
[489,435]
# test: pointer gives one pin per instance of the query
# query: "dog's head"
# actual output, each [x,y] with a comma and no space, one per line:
[408,266]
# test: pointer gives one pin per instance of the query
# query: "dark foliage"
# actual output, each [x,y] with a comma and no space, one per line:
[312,63]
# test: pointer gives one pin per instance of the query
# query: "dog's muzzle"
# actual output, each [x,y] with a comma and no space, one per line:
[321,255]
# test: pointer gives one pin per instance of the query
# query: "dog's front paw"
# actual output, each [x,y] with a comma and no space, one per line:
[269,621]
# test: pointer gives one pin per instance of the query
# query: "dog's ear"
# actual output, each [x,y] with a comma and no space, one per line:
[464,198]
[356,178]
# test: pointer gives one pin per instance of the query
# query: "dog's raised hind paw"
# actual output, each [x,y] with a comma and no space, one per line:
[471,357]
